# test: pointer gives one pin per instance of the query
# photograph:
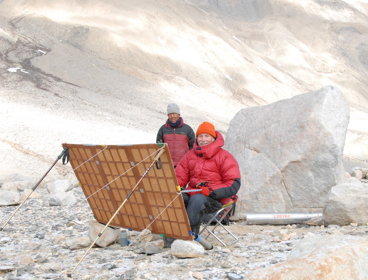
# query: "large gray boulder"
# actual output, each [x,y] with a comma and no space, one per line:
[289,152]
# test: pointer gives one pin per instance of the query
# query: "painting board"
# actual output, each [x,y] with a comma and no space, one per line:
[107,175]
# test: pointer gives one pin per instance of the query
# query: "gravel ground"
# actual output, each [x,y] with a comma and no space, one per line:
[32,246]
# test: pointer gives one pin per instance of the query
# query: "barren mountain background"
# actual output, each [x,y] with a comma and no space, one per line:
[103,72]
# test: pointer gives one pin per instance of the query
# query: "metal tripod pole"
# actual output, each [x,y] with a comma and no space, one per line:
[34,188]
[118,210]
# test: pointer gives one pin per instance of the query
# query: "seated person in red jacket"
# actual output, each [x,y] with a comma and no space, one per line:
[210,168]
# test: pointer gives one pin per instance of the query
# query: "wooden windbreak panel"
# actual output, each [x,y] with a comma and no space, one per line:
[107,175]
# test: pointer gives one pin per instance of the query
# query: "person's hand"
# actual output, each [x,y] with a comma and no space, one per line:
[206,190]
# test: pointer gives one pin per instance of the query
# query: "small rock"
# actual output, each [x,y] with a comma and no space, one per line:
[315,221]
[8,198]
[145,236]
[78,242]
[24,270]
[288,236]
[109,236]
[58,186]
[234,276]
[24,194]
[225,265]
[197,275]
[5,240]
[62,199]
[40,235]
[357,173]
[109,266]
[186,249]
[154,247]
[6,268]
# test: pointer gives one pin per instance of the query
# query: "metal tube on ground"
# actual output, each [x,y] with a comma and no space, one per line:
[280,218]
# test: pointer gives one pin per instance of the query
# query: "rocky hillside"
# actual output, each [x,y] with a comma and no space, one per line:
[103,72]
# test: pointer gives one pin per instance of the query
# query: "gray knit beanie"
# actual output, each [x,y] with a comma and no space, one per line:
[173,108]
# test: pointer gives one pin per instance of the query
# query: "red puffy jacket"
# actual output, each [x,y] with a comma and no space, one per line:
[210,164]
[179,139]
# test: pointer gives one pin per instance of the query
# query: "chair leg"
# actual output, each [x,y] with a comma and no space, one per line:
[218,222]
[215,236]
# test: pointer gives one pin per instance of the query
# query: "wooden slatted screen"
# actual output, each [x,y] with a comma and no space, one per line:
[107,174]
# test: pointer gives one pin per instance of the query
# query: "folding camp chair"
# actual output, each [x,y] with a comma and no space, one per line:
[217,221]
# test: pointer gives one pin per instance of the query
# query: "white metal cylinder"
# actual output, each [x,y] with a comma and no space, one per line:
[280,218]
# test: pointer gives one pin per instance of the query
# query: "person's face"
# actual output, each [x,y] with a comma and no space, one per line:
[204,139]
[173,117]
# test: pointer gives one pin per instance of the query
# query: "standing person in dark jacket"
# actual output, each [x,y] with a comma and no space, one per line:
[210,169]
[178,135]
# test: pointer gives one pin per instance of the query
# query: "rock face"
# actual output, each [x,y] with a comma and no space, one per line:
[290,152]
[347,204]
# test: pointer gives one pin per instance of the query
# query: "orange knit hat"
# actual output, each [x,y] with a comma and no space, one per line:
[206,128]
